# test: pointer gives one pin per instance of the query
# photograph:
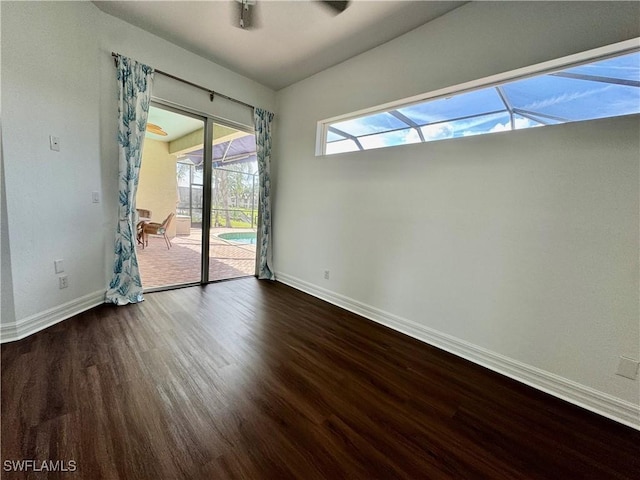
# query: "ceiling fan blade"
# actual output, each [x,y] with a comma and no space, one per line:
[336,6]
[153,128]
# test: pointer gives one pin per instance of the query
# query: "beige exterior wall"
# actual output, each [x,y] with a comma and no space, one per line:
[158,189]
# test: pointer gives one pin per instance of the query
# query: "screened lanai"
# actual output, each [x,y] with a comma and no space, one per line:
[172,182]
[600,89]
[234,182]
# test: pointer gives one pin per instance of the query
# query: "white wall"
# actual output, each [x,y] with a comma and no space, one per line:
[7,312]
[59,78]
[518,250]
[158,184]
[50,86]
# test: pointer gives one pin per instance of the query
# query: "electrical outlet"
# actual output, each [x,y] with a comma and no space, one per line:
[63,281]
[54,143]
[326,274]
[59,265]
[95,197]
[628,368]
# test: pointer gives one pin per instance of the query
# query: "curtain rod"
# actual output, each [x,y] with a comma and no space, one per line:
[212,93]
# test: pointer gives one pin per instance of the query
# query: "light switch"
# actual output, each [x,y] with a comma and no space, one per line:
[59,265]
[54,143]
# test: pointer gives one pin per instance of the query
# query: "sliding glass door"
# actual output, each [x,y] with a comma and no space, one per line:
[234,204]
[170,254]
[197,200]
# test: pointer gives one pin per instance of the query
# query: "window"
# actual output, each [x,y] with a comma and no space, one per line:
[601,88]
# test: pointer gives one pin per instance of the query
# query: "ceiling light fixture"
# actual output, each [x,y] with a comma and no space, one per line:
[249,18]
[246,13]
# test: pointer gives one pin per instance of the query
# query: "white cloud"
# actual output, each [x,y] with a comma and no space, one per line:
[564,98]
[437,131]
[401,137]
[520,123]
[341,147]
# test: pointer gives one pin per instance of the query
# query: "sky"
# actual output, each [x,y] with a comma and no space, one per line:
[547,98]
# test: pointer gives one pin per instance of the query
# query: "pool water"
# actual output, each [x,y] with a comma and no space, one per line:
[248,238]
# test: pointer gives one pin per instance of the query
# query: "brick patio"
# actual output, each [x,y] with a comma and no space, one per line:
[161,267]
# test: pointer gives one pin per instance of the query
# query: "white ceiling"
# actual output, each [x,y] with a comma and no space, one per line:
[295,39]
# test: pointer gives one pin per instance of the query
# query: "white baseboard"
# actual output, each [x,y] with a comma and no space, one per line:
[40,321]
[602,403]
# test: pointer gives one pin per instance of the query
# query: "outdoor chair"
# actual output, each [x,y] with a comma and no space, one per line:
[159,229]
[142,216]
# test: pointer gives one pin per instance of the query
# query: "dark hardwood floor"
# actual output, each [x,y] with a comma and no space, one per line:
[255,380]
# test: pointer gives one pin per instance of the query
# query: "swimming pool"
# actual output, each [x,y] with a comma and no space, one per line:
[248,238]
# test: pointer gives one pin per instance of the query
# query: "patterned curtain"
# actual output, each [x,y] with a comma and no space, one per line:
[134,94]
[262,121]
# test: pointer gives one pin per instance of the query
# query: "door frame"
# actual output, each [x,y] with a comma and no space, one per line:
[208,121]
